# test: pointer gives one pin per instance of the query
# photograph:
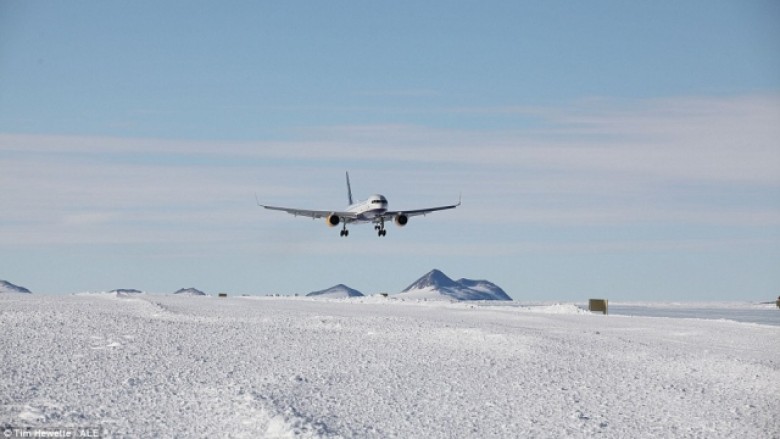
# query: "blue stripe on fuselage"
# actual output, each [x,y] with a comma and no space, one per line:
[371,214]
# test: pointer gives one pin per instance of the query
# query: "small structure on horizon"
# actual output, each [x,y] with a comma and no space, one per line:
[598,305]
[222,294]
[777,302]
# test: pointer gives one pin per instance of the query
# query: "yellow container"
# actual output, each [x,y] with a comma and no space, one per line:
[598,305]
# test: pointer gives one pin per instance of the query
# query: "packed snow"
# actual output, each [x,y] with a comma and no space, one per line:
[143,365]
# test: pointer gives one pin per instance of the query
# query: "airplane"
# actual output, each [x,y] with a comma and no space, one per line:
[373,210]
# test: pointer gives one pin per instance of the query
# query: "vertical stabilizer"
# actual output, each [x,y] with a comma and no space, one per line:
[349,191]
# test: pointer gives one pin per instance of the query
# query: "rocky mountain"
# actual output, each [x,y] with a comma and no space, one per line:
[8,287]
[190,292]
[125,292]
[339,291]
[436,285]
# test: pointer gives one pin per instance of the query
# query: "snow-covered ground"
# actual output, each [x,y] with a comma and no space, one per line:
[170,366]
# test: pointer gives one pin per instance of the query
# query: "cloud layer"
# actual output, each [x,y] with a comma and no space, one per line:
[596,162]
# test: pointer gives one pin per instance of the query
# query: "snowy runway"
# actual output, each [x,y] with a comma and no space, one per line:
[168,366]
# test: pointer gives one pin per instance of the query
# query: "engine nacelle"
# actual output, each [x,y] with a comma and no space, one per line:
[401,220]
[332,220]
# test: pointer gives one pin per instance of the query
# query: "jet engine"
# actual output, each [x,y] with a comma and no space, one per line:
[333,220]
[401,220]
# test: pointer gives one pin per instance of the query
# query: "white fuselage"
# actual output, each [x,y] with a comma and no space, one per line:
[374,206]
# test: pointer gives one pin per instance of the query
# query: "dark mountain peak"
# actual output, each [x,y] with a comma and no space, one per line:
[433,279]
[436,284]
[337,290]
[190,292]
[8,287]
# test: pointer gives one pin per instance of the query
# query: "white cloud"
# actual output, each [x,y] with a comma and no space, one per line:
[728,139]
[597,162]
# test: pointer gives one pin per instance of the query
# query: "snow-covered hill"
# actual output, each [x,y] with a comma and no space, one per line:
[485,287]
[8,287]
[435,285]
[339,291]
[190,292]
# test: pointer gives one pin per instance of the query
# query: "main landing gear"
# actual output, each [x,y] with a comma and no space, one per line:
[380,229]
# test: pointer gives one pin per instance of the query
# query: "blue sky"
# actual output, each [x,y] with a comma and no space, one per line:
[629,150]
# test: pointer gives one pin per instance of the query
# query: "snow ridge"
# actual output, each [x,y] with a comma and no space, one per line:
[437,285]
[8,287]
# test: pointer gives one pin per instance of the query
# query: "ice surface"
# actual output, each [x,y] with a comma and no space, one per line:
[173,366]
[746,312]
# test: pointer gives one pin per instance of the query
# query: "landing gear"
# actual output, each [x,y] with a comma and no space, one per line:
[380,228]
[344,231]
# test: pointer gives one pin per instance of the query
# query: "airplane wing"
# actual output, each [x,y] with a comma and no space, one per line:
[346,216]
[390,214]
[310,213]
